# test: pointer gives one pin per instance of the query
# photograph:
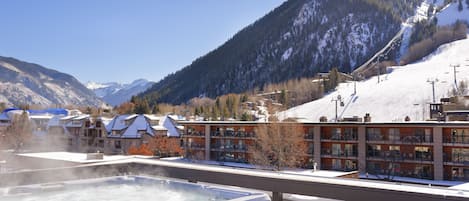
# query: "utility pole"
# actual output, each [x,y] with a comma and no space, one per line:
[432,82]
[454,67]
[338,99]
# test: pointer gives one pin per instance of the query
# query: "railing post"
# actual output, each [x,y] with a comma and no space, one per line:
[277,196]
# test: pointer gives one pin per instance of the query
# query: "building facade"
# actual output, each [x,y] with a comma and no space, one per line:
[426,150]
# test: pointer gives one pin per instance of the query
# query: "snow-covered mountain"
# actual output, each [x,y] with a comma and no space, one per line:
[32,84]
[116,93]
[297,39]
[403,91]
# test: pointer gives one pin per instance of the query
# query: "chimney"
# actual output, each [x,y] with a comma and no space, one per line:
[323,119]
[367,117]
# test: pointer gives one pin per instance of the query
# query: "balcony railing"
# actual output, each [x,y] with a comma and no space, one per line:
[329,152]
[229,159]
[411,139]
[456,139]
[462,159]
[193,146]
[241,134]
[308,136]
[231,147]
[340,137]
[398,156]
[384,173]
[195,134]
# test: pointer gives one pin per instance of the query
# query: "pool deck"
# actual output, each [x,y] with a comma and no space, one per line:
[276,182]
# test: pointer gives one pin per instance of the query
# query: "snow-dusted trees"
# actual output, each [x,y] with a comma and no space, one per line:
[278,145]
[19,133]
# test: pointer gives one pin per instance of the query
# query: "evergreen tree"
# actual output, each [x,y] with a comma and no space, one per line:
[467,2]
[142,107]
[460,7]
[156,109]
[2,106]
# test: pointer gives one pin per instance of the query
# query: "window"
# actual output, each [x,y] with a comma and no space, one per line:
[336,150]
[350,150]
[117,144]
[336,164]
[374,134]
[422,153]
[394,134]
[374,150]
[460,135]
[460,155]
[241,145]
[310,148]
[394,151]
[350,133]
[335,133]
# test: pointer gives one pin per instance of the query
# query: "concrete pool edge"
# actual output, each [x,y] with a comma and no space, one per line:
[344,189]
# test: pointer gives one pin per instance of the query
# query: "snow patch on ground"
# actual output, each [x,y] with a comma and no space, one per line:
[287,54]
[9,66]
[404,91]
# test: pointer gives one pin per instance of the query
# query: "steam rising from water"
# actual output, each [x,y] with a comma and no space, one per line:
[119,189]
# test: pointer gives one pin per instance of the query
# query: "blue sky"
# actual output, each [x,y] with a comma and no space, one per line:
[117,40]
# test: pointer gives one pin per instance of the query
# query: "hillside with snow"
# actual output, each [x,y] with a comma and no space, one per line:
[27,83]
[450,14]
[116,93]
[298,39]
[403,91]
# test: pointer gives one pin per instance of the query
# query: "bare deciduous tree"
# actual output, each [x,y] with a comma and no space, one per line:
[19,133]
[278,145]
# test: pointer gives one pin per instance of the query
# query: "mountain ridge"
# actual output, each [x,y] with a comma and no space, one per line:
[116,93]
[32,84]
[297,39]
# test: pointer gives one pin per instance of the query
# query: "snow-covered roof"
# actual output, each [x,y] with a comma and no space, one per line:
[152,117]
[81,117]
[54,121]
[403,91]
[159,128]
[132,126]
[67,118]
[4,116]
[75,157]
[117,123]
[138,125]
[43,116]
[131,116]
[171,125]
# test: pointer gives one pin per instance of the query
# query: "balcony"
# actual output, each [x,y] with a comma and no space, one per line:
[398,156]
[339,154]
[194,134]
[232,134]
[411,139]
[309,137]
[339,137]
[391,173]
[457,159]
[228,148]
[193,146]
[456,140]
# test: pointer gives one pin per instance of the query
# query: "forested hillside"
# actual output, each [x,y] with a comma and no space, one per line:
[298,39]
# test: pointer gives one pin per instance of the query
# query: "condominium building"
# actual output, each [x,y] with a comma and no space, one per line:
[427,150]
